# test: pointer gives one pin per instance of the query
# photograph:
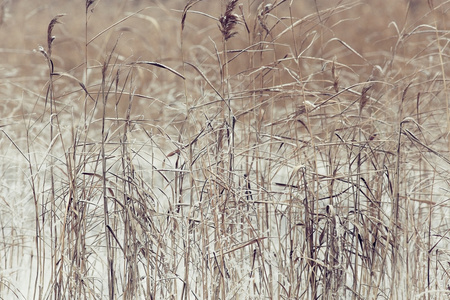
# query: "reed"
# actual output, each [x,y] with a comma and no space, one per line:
[224,150]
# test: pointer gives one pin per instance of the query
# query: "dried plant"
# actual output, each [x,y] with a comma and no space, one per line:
[306,159]
[50,37]
[188,6]
[229,20]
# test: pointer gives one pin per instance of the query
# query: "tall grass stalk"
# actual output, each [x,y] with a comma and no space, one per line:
[262,149]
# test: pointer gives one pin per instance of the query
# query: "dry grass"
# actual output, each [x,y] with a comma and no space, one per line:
[224,150]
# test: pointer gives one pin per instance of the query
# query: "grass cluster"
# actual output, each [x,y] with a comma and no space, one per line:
[235,149]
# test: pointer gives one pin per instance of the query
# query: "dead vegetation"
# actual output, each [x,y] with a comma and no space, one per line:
[225,150]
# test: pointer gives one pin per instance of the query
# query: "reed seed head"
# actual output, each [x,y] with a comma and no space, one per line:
[229,20]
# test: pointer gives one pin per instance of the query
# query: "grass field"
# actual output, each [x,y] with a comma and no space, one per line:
[236,149]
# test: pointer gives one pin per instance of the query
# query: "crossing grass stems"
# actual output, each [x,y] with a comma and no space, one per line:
[226,150]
